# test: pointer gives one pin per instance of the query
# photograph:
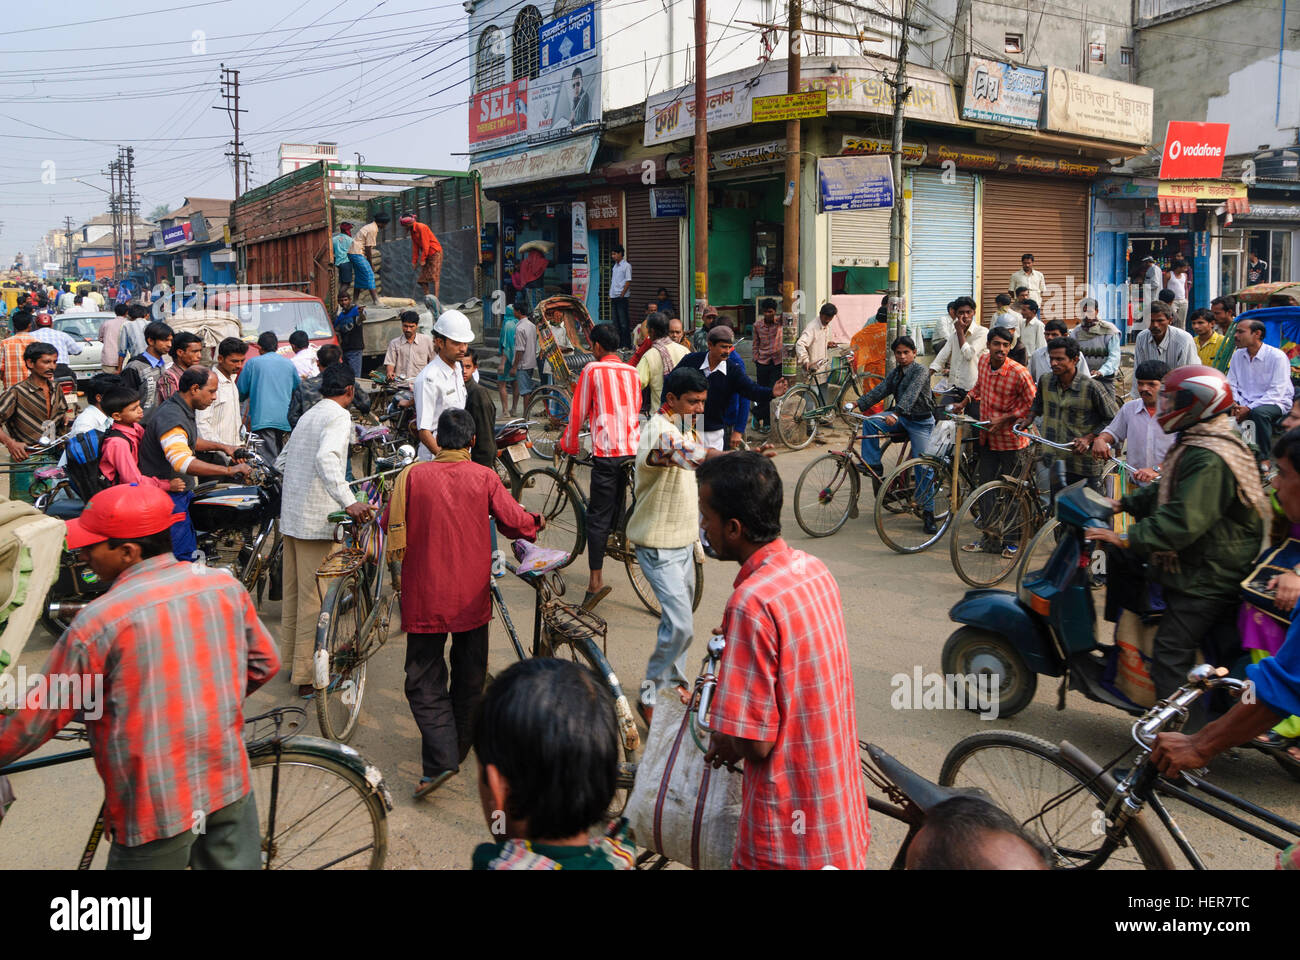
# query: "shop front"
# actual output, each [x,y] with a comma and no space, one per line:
[1269,229]
[941,247]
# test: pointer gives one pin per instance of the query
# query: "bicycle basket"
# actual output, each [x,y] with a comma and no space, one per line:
[841,369]
[942,439]
[341,562]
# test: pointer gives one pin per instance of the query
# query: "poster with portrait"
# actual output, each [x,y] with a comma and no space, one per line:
[564,99]
[1092,106]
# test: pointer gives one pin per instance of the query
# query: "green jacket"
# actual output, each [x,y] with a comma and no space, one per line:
[1215,535]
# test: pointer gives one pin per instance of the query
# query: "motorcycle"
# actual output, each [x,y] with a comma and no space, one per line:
[237,528]
[1047,625]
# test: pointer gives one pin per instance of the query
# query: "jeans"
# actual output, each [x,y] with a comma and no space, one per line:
[184,543]
[671,574]
[621,322]
[231,839]
[527,380]
[1265,418]
[918,432]
[353,359]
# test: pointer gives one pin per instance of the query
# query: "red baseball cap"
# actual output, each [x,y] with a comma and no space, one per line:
[122,512]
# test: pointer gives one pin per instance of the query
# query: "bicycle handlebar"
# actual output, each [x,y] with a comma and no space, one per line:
[1037,438]
[1200,679]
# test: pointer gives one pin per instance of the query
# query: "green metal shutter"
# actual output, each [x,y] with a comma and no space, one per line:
[942,247]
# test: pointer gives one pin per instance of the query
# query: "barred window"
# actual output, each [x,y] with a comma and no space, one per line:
[524,48]
[490,70]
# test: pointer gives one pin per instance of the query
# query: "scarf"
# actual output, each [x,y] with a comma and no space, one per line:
[395,548]
[1220,438]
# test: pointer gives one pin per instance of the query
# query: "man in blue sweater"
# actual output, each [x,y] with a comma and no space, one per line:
[267,382]
[727,379]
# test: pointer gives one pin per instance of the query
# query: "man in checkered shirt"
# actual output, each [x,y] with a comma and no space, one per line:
[784,702]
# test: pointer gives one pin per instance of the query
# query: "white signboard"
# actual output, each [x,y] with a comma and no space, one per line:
[671,115]
[568,158]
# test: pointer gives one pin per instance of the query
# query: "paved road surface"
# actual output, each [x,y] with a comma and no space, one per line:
[896,610]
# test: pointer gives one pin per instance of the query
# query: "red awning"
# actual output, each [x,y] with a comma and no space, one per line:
[1177,204]
[1239,205]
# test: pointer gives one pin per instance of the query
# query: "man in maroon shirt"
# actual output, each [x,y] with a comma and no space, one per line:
[438,520]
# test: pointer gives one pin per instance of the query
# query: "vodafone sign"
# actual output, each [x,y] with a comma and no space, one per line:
[1193,150]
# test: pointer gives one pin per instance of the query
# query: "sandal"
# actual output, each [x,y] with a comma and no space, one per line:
[427,785]
[1274,742]
[591,599]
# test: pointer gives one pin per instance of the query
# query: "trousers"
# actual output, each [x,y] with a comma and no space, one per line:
[671,574]
[768,374]
[608,492]
[300,608]
[231,839]
[1191,624]
[622,322]
[445,717]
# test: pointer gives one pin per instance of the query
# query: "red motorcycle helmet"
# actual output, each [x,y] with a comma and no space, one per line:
[1190,395]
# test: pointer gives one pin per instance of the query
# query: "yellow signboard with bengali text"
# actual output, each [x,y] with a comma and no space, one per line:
[789,106]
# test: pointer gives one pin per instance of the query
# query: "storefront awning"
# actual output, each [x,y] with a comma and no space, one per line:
[1180,196]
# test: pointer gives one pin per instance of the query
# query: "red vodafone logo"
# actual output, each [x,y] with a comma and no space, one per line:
[1193,151]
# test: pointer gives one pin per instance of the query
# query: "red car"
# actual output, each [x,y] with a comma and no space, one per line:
[282,311]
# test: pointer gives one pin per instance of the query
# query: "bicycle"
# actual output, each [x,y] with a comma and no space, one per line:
[928,483]
[827,491]
[555,493]
[996,523]
[356,610]
[806,407]
[1090,818]
[319,803]
[563,630]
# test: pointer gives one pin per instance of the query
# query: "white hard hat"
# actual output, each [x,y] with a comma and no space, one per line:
[454,325]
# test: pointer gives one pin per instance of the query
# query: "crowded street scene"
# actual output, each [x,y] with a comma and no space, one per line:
[651,435]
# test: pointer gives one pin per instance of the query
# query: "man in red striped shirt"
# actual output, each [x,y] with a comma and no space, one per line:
[608,397]
[168,653]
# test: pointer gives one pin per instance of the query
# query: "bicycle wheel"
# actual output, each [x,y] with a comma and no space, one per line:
[992,530]
[547,413]
[326,814]
[339,634]
[826,494]
[912,487]
[645,593]
[544,491]
[1024,775]
[794,420]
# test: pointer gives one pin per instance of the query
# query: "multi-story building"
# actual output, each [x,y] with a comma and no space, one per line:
[582,118]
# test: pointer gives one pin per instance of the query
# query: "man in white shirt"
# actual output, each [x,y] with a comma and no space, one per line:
[441,385]
[304,354]
[960,356]
[1031,331]
[1260,377]
[812,349]
[1178,285]
[1135,426]
[221,421]
[1028,277]
[524,369]
[313,463]
[1040,363]
[410,353]
[1164,342]
[81,305]
[1152,281]
[620,294]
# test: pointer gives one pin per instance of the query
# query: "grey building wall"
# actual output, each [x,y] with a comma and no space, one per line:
[1220,64]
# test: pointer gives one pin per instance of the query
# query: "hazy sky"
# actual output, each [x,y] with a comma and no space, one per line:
[146,73]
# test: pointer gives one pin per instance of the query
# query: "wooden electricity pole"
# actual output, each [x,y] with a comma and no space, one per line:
[896,216]
[701,238]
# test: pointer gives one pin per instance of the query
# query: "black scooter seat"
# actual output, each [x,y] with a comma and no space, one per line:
[922,792]
[65,509]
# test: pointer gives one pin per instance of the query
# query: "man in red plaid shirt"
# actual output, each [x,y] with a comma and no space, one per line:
[1005,393]
[175,650]
[784,702]
[608,397]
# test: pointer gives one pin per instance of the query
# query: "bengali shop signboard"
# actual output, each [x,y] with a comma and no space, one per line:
[499,115]
[1090,106]
[855,183]
[671,115]
[733,158]
[857,90]
[1005,93]
[567,38]
[566,93]
[569,158]
[1193,150]
[790,106]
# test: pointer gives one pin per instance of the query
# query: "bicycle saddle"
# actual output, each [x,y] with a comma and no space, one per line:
[922,792]
[535,560]
[366,433]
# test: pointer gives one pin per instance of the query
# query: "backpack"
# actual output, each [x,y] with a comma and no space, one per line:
[82,467]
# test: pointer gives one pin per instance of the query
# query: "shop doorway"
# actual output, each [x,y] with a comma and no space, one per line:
[745,245]
[605,242]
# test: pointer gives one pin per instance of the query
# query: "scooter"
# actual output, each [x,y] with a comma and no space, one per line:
[1047,625]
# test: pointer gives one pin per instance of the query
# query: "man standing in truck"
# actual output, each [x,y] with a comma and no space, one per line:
[426,256]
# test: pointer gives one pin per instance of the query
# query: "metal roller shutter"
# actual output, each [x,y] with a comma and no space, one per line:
[653,248]
[942,245]
[860,238]
[1048,218]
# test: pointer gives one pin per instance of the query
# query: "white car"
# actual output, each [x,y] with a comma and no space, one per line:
[84,327]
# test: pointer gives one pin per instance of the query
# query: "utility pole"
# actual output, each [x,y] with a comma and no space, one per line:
[67,243]
[114,195]
[790,247]
[896,217]
[230,93]
[130,209]
[701,238]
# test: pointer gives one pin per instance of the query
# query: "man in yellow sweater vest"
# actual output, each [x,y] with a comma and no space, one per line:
[665,525]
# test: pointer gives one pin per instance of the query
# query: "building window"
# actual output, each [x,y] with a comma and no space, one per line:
[564,6]
[1012,43]
[1126,56]
[523,45]
[1096,53]
[491,67]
